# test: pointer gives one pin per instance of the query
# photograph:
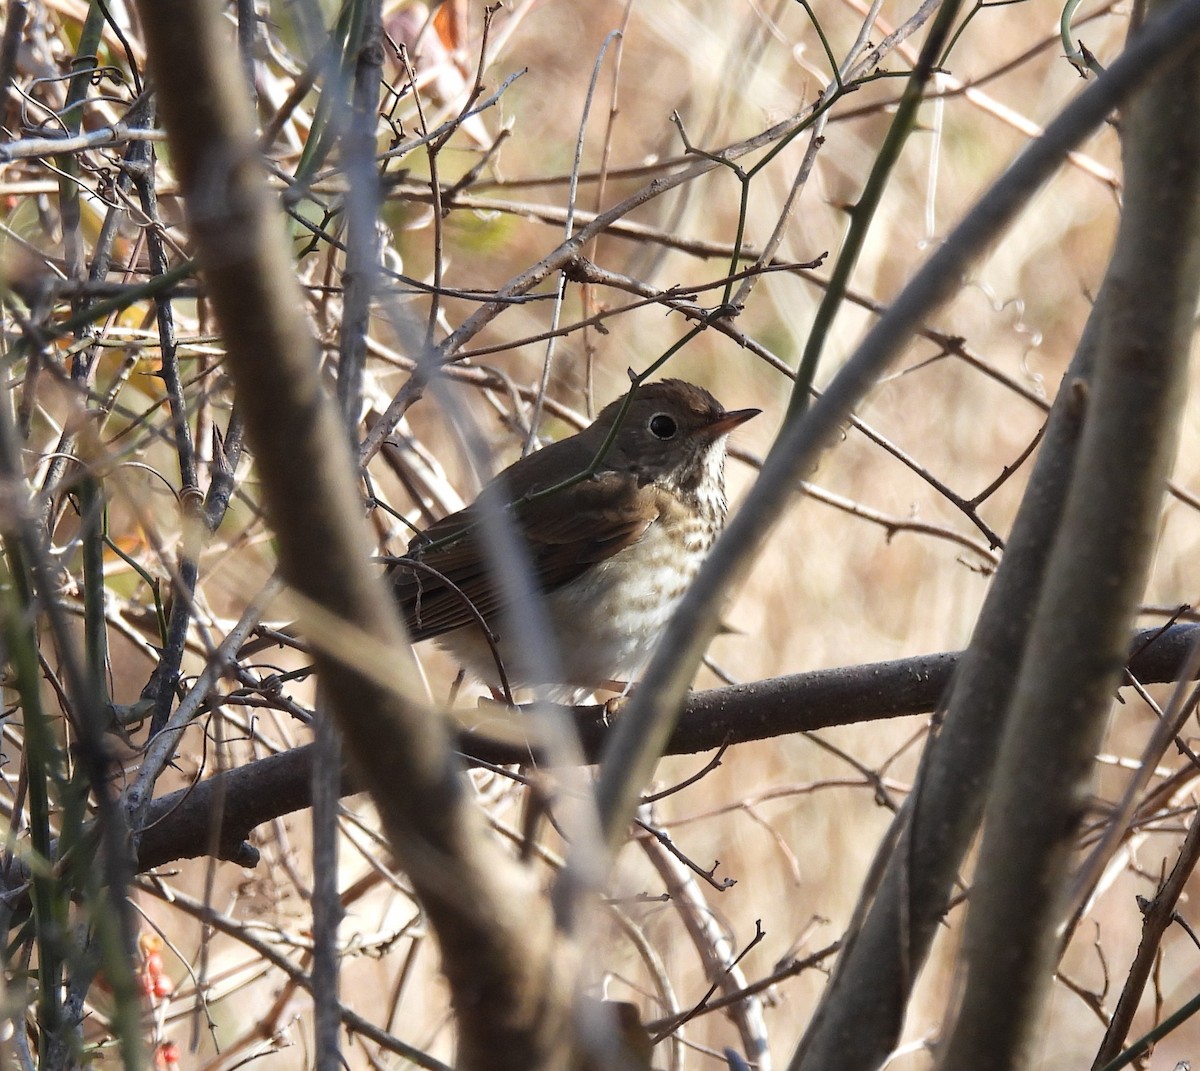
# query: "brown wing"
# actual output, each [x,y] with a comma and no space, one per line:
[565,533]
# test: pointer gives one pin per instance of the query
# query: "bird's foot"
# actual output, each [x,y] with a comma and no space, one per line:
[612,708]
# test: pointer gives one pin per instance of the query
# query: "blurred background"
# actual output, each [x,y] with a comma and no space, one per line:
[889,553]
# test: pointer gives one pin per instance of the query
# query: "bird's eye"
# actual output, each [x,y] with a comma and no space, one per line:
[663,426]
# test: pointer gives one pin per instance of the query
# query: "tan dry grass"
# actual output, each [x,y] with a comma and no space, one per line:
[828,590]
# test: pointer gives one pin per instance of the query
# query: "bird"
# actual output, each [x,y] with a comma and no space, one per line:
[616,519]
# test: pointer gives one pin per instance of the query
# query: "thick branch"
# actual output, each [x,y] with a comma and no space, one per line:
[501,955]
[180,823]
[1095,575]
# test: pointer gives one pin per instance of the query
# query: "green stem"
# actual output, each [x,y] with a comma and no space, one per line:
[862,214]
[1157,1034]
[92,517]
[42,759]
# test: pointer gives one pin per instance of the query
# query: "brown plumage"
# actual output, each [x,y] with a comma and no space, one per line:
[611,553]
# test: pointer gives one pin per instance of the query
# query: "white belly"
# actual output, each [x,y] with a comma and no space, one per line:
[604,625]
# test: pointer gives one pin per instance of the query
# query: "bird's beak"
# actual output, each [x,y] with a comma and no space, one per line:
[724,425]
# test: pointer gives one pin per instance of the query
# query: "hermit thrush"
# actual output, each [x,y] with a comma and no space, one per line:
[611,554]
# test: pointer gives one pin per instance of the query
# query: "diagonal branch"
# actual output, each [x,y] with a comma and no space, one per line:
[1096,572]
[510,980]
